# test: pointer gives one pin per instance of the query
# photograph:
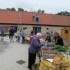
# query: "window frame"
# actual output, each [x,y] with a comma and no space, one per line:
[36,19]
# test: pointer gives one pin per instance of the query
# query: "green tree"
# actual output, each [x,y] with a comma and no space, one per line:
[39,11]
[64,13]
[43,11]
[12,9]
[20,9]
[2,9]
[7,8]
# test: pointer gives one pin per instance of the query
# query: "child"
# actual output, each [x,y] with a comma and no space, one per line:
[31,38]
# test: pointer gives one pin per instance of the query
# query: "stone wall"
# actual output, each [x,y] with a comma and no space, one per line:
[44,29]
[51,28]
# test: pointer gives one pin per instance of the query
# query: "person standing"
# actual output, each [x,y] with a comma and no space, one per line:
[11,34]
[58,39]
[2,32]
[32,33]
[23,35]
[31,36]
[48,37]
[33,50]
[18,35]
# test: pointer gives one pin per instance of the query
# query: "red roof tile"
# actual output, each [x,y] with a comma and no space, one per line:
[27,18]
[9,17]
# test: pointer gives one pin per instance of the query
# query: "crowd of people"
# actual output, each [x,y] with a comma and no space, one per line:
[20,35]
[36,42]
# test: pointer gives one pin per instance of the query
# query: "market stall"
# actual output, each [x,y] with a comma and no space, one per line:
[52,58]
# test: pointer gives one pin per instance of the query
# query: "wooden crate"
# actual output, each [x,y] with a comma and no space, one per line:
[48,53]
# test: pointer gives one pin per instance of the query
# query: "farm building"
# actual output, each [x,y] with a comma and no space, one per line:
[38,22]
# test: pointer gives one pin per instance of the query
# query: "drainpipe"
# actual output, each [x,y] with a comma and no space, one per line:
[20,20]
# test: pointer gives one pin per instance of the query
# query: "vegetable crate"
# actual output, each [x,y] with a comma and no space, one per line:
[48,53]
[45,53]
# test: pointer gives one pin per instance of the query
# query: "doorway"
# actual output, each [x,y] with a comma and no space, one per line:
[65,33]
[14,28]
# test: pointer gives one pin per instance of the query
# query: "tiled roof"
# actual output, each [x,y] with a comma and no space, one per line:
[15,17]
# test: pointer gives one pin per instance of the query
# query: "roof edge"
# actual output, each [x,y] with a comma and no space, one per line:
[33,24]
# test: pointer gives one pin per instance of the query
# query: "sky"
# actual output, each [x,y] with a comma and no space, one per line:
[50,6]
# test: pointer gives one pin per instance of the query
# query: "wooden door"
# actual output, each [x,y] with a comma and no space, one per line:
[65,33]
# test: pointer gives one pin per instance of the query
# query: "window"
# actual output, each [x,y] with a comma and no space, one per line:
[36,18]
[36,30]
[66,31]
[47,28]
[14,28]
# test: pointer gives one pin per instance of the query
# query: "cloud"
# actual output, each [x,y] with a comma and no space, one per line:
[50,6]
[7,3]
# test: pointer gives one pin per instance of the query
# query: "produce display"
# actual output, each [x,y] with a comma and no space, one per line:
[69,47]
[68,68]
[49,53]
[46,65]
[59,63]
[61,48]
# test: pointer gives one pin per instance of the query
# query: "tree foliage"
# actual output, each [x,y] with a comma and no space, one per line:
[7,8]
[2,9]
[41,11]
[20,9]
[12,9]
[64,13]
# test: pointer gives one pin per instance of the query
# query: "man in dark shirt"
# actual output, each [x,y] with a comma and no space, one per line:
[58,39]
[48,37]
[11,34]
